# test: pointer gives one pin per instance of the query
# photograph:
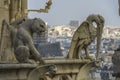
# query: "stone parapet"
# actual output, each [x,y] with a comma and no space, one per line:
[15,71]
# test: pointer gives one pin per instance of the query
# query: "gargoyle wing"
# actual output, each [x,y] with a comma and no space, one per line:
[82,32]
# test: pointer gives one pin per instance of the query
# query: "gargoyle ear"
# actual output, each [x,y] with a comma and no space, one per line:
[35,19]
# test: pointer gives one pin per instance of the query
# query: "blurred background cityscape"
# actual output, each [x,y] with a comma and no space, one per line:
[55,42]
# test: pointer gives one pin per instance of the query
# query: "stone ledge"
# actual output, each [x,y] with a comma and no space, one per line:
[17,65]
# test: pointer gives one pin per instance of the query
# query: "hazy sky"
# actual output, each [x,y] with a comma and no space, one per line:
[62,11]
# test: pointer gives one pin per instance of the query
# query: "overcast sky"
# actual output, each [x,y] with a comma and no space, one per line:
[62,11]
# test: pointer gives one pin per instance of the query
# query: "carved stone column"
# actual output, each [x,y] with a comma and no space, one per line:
[24,11]
[18,9]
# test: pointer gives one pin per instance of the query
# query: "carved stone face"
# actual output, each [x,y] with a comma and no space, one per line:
[39,26]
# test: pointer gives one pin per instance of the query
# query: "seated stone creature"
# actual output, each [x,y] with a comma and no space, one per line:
[21,38]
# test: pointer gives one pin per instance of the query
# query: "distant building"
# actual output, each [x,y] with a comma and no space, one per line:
[49,49]
[74,23]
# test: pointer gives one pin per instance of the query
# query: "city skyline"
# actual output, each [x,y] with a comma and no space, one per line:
[62,11]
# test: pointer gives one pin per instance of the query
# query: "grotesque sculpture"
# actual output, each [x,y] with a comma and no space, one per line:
[21,36]
[85,34]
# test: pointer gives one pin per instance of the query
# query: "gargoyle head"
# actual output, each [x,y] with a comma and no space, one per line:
[38,26]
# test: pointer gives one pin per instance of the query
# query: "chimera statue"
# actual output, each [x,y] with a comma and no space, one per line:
[21,38]
[85,35]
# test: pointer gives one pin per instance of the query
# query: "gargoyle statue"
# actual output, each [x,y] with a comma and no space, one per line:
[21,39]
[84,35]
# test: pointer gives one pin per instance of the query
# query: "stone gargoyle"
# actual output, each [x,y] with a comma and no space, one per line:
[21,32]
[85,35]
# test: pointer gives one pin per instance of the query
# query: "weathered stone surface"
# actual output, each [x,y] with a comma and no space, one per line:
[17,71]
[67,69]
[84,35]
[21,32]
[10,10]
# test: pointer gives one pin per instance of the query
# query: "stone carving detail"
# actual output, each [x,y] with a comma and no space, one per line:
[21,37]
[46,9]
[85,34]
